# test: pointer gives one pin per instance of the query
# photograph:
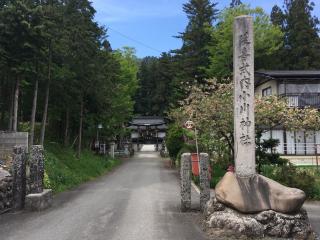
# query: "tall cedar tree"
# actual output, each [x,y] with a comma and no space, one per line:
[235,3]
[301,41]
[277,17]
[194,54]
[155,76]
[56,45]
[147,76]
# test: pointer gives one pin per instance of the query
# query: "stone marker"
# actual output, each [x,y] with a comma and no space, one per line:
[185,173]
[204,180]
[243,61]
[112,149]
[247,203]
[19,176]
[38,198]
[126,150]
[36,165]
[245,190]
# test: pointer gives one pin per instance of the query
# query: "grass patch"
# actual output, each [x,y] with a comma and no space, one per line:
[64,171]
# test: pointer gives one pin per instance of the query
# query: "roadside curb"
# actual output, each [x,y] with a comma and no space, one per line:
[196,188]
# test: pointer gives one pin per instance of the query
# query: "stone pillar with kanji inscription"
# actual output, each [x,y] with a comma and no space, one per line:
[185,174]
[19,176]
[204,180]
[245,202]
[245,190]
[244,132]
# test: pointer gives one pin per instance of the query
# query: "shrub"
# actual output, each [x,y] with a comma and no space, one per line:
[174,140]
[218,171]
[292,176]
[186,148]
[266,154]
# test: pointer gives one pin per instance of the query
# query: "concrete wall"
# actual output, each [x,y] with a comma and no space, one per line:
[271,83]
[7,142]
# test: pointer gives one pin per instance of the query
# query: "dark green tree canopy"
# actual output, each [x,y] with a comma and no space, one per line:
[235,3]
[302,41]
[301,46]
[277,16]
[194,53]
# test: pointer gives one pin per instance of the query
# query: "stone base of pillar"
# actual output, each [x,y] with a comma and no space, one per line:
[39,201]
[223,222]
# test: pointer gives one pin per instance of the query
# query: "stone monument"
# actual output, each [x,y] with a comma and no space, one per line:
[248,203]
[185,182]
[112,149]
[19,176]
[35,170]
[204,180]
[38,198]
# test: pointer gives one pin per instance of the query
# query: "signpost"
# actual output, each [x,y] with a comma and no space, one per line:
[190,126]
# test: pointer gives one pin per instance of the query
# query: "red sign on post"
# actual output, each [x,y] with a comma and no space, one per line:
[195,164]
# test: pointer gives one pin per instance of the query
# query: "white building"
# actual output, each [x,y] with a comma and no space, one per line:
[301,88]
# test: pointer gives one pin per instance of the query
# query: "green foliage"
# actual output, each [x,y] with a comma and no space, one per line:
[59,46]
[218,171]
[210,107]
[174,140]
[186,148]
[65,171]
[268,39]
[46,181]
[265,152]
[235,3]
[302,41]
[296,177]
[155,93]
[193,57]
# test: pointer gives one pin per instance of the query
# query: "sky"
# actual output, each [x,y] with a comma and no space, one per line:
[150,26]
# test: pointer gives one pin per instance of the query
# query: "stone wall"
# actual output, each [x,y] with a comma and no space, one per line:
[35,170]
[6,195]
[25,188]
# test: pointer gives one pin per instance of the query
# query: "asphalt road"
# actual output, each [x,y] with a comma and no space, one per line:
[313,209]
[137,201]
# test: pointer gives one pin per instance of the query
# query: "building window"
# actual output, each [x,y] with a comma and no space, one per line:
[267,92]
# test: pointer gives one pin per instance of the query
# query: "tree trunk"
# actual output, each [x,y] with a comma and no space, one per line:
[46,102]
[11,109]
[5,98]
[80,129]
[33,112]
[16,105]
[3,113]
[66,131]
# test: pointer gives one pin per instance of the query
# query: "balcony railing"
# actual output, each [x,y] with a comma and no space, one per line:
[303,99]
[299,149]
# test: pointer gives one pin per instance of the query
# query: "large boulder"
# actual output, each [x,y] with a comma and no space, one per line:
[258,193]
